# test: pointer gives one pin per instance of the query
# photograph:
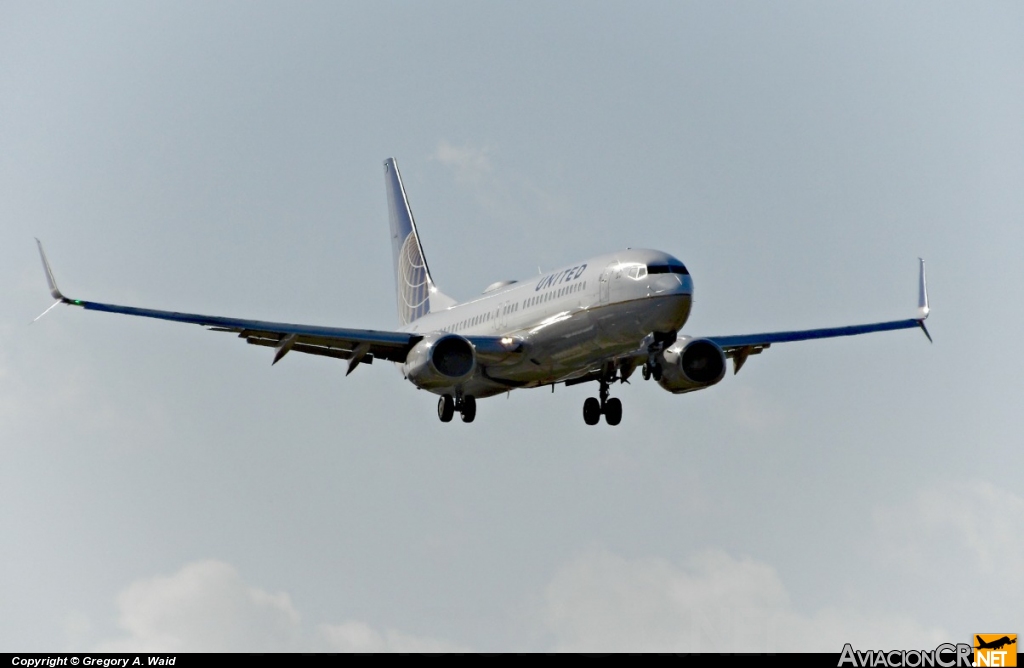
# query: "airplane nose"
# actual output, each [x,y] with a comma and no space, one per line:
[685,285]
[674,284]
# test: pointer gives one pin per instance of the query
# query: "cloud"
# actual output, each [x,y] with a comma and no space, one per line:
[597,602]
[601,602]
[470,164]
[207,607]
[970,528]
[755,411]
[506,197]
[204,607]
[360,637]
[43,400]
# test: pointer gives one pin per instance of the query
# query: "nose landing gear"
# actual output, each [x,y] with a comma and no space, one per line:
[465,405]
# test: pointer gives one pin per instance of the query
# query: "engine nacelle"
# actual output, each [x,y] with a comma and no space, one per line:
[439,361]
[691,364]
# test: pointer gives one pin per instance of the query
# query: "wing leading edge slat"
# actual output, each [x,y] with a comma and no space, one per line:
[767,338]
[312,339]
[744,345]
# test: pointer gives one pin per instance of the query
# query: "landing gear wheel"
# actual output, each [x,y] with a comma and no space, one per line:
[656,372]
[446,408]
[591,411]
[468,409]
[613,411]
[646,372]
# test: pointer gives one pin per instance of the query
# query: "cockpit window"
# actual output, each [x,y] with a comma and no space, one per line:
[667,269]
[636,272]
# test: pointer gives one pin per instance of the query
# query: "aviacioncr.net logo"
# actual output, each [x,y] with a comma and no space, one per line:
[946,655]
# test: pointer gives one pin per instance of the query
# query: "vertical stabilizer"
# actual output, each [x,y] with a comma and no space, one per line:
[415,290]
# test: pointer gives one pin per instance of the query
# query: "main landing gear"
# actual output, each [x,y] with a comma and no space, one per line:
[651,371]
[652,368]
[611,408]
[465,405]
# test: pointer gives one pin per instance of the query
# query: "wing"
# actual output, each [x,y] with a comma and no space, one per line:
[741,347]
[355,345]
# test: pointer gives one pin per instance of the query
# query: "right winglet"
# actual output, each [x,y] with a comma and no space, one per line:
[54,290]
[922,302]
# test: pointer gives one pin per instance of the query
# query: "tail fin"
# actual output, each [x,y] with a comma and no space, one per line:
[415,290]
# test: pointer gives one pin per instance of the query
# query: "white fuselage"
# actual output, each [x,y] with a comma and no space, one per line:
[570,320]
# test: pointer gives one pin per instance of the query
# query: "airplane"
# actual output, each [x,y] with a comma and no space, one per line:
[998,643]
[592,321]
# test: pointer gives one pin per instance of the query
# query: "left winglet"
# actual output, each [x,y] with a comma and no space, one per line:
[54,290]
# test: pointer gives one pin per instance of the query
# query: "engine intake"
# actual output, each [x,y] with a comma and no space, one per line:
[691,364]
[452,356]
[439,361]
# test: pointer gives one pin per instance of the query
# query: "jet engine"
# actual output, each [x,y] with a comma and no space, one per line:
[691,364]
[439,361]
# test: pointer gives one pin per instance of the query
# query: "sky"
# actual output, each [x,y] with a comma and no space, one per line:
[163,488]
